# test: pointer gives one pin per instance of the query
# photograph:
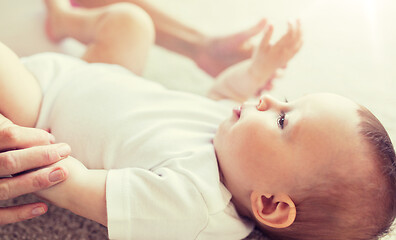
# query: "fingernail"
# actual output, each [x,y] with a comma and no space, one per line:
[64,150]
[38,211]
[56,175]
[52,138]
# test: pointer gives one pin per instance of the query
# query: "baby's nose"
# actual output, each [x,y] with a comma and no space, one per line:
[267,102]
[264,103]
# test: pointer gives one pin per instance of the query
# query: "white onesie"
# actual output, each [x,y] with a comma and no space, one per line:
[163,180]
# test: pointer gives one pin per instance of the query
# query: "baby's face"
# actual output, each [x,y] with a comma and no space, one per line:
[273,145]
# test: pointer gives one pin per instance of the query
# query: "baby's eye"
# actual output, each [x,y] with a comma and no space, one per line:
[281,120]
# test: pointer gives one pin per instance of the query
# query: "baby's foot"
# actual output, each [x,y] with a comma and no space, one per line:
[54,21]
[268,59]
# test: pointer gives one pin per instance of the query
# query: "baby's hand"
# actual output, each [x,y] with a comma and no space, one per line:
[220,52]
[83,192]
[268,58]
[60,193]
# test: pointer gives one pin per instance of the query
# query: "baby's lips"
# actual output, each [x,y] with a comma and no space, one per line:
[237,111]
[74,3]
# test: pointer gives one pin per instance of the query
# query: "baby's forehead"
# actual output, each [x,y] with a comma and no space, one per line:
[328,100]
[326,126]
[329,109]
[321,116]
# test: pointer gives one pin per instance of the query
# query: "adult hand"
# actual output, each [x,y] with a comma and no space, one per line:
[23,149]
[219,53]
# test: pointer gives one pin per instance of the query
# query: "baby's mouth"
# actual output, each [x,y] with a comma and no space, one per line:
[237,111]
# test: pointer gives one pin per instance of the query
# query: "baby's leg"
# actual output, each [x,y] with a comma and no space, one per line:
[20,93]
[121,33]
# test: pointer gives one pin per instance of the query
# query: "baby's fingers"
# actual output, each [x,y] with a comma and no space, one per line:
[292,41]
[290,30]
[298,29]
[298,37]
[287,39]
[264,44]
[294,32]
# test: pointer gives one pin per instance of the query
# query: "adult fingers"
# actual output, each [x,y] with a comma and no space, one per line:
[16,137]
[22,212]
[17,161]
[31,182]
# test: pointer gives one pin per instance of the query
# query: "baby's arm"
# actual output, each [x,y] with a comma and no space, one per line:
[84,191]
[20,93]
[244,80]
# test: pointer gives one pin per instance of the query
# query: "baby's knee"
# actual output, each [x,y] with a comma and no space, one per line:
[130,20]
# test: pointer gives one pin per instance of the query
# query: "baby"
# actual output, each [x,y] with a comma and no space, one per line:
[160,164]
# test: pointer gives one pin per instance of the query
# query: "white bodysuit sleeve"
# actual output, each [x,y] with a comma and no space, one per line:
[143,204]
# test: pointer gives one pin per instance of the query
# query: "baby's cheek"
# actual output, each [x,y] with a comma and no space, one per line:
[245,145]
[247,156]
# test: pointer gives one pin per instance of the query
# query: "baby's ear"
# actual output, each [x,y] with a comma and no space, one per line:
[273,210]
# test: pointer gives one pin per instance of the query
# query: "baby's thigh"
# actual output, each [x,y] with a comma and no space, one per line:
[124,36]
